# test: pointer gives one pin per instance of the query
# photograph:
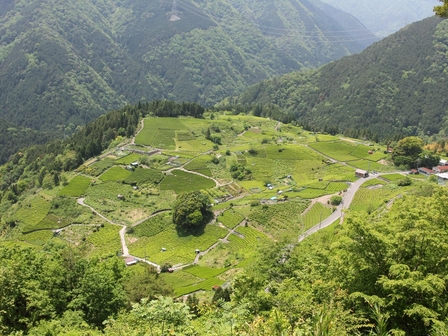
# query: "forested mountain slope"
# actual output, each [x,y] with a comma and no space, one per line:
[396,87]
[13,138]
[384,17]
[68,62]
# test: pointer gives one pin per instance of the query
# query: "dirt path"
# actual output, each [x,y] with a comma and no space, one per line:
[322,199]
[122,233]
[182,167]
[278,126]
[153,215]
[203,253]
[142,125]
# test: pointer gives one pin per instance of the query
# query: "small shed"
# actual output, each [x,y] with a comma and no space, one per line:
[443,177]
[163,249]
[134,164]
[130,261]
[361,173]
[120,196]
[197,251]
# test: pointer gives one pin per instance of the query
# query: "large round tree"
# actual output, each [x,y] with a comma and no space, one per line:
[191,210]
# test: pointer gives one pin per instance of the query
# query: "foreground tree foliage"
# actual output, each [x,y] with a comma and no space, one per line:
[442,10]
[400,262]
[36,286]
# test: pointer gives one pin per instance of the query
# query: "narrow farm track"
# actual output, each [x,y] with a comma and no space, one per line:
[278,126]
[153,215]
[203,253]
[205,176]
[142,125]
[124,246]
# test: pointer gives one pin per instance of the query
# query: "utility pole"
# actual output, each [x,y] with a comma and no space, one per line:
[320,221]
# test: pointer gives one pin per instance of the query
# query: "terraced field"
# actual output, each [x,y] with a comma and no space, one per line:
[181,181]
[76,187]
[97,168]
[33,212]
[159,132]
[200,165]
[279,219]
[142,176]
[115,174]
[128,159]
[153,226]
[179,249]
[106,241]
[338,150]
[315,215]
[230,218]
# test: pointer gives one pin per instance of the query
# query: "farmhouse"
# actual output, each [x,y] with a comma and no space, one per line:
[425,171]
[361,173]
[440,169]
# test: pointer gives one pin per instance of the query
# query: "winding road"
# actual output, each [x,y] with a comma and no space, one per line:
[345,204]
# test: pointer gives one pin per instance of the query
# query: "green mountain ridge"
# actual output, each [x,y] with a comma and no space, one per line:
[63,63]
[395,88]
[385,17]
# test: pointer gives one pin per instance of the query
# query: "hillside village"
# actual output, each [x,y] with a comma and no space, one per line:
[303,203]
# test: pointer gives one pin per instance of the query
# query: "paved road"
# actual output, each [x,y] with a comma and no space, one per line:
[337,214]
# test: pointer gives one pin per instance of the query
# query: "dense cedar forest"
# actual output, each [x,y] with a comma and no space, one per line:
[13,138]
[395,88]
[64,64]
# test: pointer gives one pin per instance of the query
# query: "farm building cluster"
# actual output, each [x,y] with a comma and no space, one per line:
[441,171]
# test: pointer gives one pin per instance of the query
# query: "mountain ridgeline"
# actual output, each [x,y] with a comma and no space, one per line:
[384,17]
[395,88]
[64,64]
